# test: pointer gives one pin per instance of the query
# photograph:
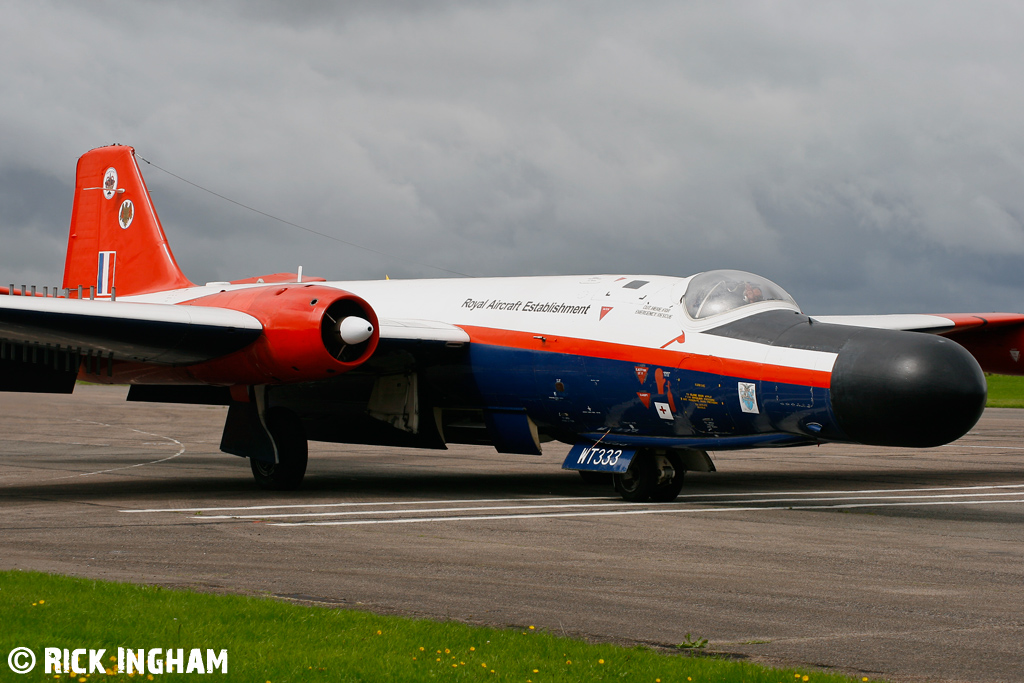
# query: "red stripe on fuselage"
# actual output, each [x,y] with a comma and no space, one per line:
[640,354]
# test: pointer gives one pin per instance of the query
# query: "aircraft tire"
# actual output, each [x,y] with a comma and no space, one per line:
[638,482]
[669,491]
[292,449]
[596,478]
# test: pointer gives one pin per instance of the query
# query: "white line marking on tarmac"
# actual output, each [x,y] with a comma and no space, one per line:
[608,513]
[607,498]
[380,502]
[850,491]
[181,449]
[619,503]
[406,512]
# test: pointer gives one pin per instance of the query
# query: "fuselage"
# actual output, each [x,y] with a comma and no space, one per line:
[623,357]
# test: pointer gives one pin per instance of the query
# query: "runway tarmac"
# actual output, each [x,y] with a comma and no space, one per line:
[906,564]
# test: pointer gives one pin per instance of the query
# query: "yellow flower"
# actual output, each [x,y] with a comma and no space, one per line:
[536,671]
[447,651]
[472,649]
[112,658]
[149,677]
[568,661]
[42,601]
[531,628]
[421,649]
[439,659]
[455,666]
[33,604]
[378,633]
[600,661]
[483,665]
[806,678]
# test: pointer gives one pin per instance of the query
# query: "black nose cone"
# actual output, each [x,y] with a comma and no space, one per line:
[906,389]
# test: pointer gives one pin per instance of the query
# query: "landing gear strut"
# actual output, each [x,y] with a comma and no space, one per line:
[289,437]
[653,477]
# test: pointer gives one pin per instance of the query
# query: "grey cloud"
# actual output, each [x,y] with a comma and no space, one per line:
[866,157]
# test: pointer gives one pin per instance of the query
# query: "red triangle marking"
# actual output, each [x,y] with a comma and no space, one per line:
[645,398]
[604,311]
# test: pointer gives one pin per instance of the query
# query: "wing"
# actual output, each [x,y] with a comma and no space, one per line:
[994,339]
[149,333]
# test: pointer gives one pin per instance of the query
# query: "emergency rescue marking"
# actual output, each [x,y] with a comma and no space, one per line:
[654,311]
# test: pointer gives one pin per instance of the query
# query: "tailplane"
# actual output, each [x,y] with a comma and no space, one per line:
[116,243]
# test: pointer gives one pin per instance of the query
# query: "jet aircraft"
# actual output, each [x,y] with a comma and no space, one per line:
[641,374]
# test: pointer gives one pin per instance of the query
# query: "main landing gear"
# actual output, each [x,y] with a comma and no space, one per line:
[289,437]
[652,477]
[656,477]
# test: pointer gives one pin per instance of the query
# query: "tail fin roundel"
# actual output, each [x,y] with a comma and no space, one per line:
[116,241]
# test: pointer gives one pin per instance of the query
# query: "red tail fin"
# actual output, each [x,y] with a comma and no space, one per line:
[116,238]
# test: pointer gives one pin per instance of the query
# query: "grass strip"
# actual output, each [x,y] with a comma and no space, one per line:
[1005,391]
[268,640]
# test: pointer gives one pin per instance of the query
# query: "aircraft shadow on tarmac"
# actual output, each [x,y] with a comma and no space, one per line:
[411,485]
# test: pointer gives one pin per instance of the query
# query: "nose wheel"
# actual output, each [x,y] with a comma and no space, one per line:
[652,477]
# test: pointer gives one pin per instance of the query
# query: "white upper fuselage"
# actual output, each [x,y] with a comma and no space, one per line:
[631,310]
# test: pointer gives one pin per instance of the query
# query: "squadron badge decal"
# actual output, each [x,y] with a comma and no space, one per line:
[110,183]
[748,398]
[126,214]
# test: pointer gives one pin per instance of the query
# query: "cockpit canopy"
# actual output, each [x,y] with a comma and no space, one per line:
[718,291]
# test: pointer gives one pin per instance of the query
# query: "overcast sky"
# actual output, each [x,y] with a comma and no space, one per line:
[868,156]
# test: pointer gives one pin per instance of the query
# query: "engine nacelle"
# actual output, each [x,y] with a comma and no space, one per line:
[310,332]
